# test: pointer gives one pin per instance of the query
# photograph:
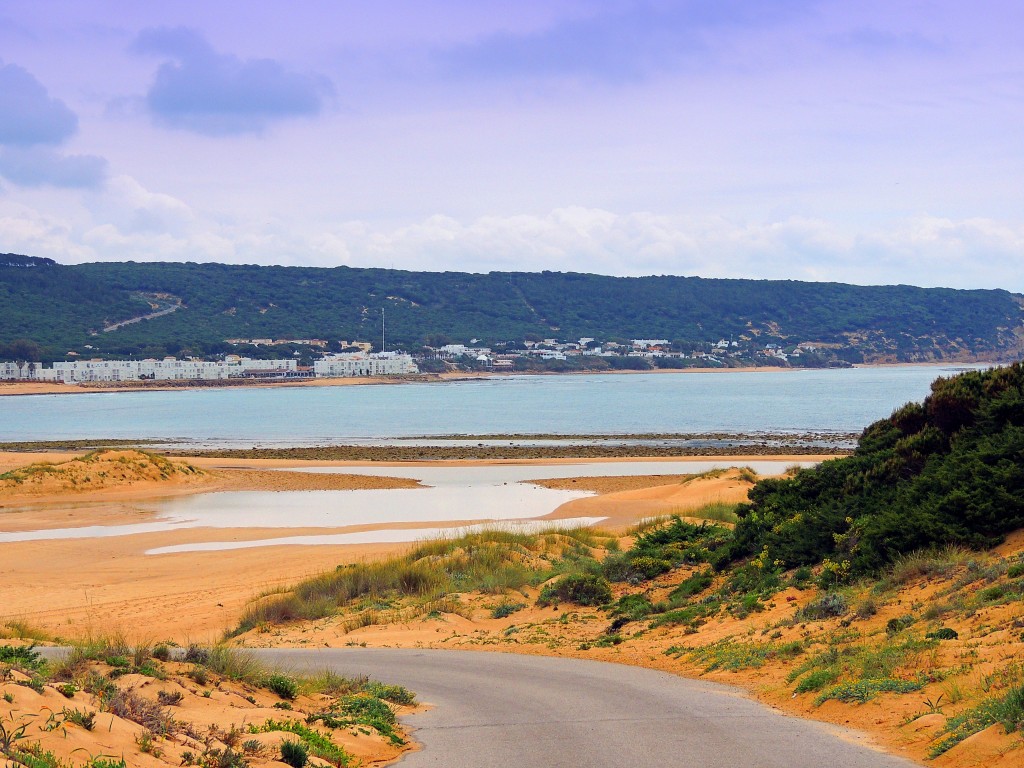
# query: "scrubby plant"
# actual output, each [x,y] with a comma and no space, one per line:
[169,698]
[945,633]
[943,472]
[83,719]
[506,608]
[827,606]
[896,625]
[576,588]
[634,568]
[294,753]
[691,585]
[283,686]
[816,680]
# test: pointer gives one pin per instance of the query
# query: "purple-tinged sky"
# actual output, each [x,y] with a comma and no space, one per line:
[880,141]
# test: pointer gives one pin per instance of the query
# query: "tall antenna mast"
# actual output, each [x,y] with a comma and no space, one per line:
[383,343]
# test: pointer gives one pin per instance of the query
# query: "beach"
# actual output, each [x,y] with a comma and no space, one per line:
[74,586]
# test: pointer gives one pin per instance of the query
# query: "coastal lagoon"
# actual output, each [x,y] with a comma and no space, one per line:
[465,497]
[738,402]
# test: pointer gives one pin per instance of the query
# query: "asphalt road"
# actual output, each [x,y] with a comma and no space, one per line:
[500,710]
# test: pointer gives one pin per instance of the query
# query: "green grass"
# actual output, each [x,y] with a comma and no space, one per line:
[860,691]
[318,744]
[493,562]
[732,656]
[718,511]
[1007,709]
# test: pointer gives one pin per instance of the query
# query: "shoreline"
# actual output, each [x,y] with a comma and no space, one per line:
[67,584]
[27,388]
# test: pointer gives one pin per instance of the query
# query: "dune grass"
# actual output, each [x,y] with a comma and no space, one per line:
[426,578]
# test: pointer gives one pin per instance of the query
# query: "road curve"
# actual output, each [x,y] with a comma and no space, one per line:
[499,710]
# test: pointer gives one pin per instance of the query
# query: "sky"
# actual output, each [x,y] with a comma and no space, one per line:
[874,142]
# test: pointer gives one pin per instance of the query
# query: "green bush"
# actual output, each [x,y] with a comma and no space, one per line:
[634,569]
[898,624]
[283,686]
[633,607]
[692,585]
[294,753]
[945,472]
[505,609]
[816,680]
[945,633]
[826,606]
[577,588]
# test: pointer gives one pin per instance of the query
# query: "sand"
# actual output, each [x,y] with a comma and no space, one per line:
[74,586]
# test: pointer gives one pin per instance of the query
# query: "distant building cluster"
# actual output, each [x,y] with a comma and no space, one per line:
[231,367]
[709,353]
[364,364]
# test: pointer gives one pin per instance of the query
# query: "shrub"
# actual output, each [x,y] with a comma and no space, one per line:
[824,607]
[283,686]
[21,656]
[505,609]
[162,652]
[169,698]
[898,624]
[577,588]
[945,633]
[86,720]
[692,585]
[866,609]
[634,569]
[633,607]
[396,694]
[1015,570]
[294,753]
[197,654]
[816,680]
[865,690]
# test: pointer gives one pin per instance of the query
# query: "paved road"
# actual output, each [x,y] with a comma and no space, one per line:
[500,710]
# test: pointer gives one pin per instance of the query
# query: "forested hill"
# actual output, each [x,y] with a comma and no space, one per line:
[61,307]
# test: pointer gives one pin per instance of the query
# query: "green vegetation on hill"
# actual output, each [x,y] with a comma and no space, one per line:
[948,471]
[62,307]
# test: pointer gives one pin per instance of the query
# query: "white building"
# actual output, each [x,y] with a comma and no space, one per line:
[363,364]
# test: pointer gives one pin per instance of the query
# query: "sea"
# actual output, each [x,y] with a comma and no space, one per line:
[831,401]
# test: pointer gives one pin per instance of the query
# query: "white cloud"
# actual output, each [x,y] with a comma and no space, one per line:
[127,221]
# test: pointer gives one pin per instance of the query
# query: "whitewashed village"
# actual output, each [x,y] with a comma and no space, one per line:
[363,362]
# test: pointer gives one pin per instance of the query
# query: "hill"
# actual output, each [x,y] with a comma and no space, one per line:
[66,307]
[949,470]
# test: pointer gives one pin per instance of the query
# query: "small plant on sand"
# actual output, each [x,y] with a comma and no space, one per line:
[577,588]
[294,753]
[283,686]
[83,719]
[506,608]
[169,698]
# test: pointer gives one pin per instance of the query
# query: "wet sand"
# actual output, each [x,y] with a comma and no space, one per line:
[76,586]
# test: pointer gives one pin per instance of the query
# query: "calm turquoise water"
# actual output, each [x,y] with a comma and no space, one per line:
[786,401]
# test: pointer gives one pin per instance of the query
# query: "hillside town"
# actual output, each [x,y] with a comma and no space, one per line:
[360,361]
[231,367]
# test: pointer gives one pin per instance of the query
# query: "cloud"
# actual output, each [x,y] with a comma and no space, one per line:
[621,44]
[28,114]
[32,125]
[217,94]
[41,166]
[926,250]
[125,221]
